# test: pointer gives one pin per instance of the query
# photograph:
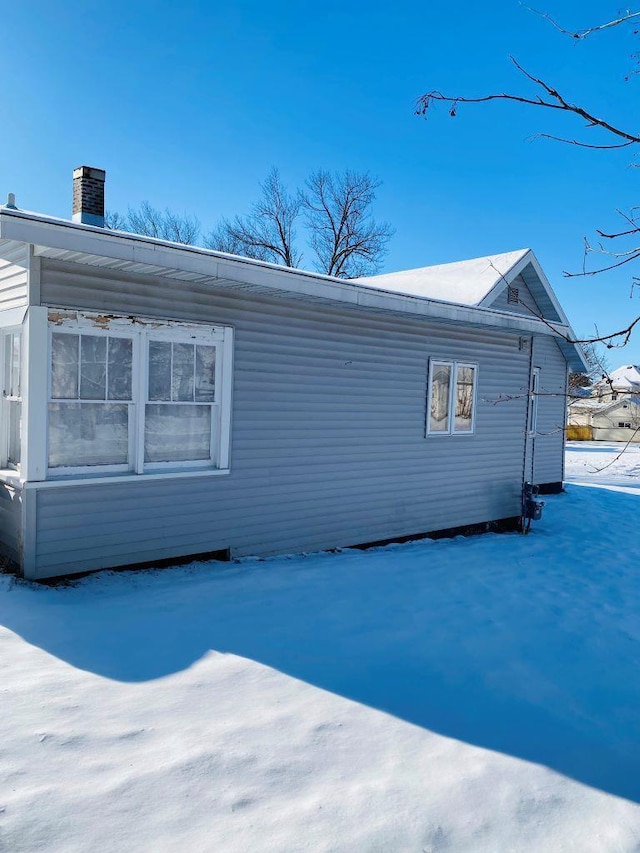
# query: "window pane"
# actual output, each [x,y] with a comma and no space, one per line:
[183,369]
[177,433]
[12,356]
[465,378]
[120,368]
[15,424]
[159,370]
[93,367]
[205,374]
[88,434]
[64,366]
[439,403]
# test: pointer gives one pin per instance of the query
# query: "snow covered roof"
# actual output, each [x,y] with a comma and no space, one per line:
[465,282]
[592,404]
[624,378]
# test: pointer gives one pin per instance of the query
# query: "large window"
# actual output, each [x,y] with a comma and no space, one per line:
[137,396]
[451,398]
[91,400]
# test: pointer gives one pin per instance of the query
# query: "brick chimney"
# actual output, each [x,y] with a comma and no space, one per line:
[88,195]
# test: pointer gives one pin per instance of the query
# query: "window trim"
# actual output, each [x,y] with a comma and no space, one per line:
[534,392]
[454,365]
[117,468]
[141,331]
[5,412]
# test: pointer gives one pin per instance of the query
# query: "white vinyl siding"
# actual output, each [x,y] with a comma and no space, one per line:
[328,428]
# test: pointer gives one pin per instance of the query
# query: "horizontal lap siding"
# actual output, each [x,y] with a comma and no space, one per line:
[552,406]
[13,275]
[328,445]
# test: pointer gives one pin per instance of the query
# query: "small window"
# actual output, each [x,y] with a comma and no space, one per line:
[534,395]
[181,393]
[12,399]
[512,295]
[624,424]
[451,398]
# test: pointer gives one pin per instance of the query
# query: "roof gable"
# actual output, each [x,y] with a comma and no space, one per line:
[463,282]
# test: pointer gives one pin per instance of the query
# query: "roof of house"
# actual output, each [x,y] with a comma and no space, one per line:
[626,378]
[480,279]
[593,405]
[465,282]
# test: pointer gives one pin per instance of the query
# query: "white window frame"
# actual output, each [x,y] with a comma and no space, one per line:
[141,331]
[192,337]
[534,391]
[5,333]
[434,363]
[67,470]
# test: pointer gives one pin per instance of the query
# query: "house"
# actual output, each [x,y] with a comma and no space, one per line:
[611,412]
[163,400]
[624,381]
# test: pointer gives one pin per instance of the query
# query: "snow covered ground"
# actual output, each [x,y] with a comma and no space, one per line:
[613,463]
[476,694]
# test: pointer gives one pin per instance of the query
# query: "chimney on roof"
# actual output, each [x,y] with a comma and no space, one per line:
[88,196]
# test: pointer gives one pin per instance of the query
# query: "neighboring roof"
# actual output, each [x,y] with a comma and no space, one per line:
[465,282]
[135,254]
[623,378]
[592,404]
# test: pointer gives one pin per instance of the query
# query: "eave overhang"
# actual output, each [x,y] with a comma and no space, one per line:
[130,253]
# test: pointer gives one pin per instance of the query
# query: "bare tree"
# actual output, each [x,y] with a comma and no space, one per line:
[598,369]
[336,210]
[268,231]
[619,247]
[151,222]
[346,239]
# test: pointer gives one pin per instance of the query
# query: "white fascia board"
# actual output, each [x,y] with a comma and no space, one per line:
[216,266]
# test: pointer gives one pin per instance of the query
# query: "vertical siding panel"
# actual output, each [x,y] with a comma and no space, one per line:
[526,304]
[10,521]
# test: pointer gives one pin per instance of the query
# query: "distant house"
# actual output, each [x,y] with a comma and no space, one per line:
[611,412]
[620,382]
[163,400]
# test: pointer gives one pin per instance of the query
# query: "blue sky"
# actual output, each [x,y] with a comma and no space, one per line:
[189,107]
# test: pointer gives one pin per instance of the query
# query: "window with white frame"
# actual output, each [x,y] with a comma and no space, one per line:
[451,398]
[11,359]
[137,396]
[534,395]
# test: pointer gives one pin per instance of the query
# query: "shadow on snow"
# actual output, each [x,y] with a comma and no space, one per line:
[498,641]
